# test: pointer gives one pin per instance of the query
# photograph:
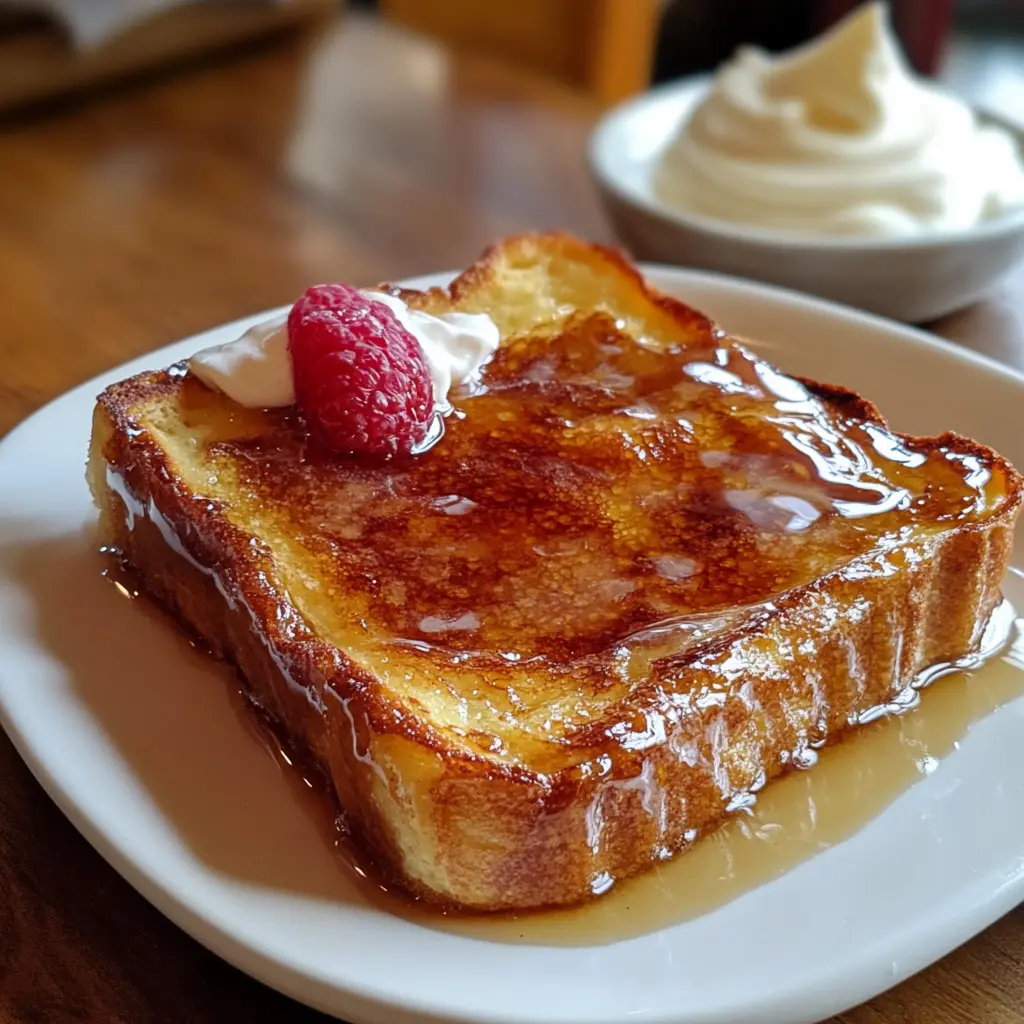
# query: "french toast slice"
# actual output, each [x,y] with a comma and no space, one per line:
[642,574]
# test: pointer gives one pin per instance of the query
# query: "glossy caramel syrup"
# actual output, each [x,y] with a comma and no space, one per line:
[269,828]
[590,486]
[597,503]
[792,820]
[637,579]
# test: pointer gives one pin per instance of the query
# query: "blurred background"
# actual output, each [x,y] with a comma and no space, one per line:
[51,48]
[168,165]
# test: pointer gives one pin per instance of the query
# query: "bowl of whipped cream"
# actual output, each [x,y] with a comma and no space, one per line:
[832,169]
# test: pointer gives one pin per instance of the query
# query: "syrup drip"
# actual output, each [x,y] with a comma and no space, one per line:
[791,820]
[221,807]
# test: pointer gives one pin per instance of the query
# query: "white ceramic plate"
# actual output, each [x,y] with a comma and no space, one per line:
[132,734]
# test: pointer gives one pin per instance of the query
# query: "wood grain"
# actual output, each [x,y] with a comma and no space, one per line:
[361,154]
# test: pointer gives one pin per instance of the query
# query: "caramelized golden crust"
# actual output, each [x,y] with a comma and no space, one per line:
[641,574]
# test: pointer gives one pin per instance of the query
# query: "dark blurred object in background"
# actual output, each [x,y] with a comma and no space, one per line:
[697,35]
[1002,16]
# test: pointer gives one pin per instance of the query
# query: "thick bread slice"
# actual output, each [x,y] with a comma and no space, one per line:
[642,575]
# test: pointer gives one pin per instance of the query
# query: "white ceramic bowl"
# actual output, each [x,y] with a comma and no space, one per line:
[911,279]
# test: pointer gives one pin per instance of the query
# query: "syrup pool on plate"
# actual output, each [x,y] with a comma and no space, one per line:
[243,808]
[794,818]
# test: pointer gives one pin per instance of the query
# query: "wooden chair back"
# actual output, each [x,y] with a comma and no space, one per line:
[604,47]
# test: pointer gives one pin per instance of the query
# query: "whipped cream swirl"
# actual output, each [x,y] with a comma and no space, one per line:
[839,137]
[255,369]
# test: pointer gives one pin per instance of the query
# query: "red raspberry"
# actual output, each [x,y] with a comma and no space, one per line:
[361,379]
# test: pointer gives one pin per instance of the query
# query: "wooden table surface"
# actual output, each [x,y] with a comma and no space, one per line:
[152,212]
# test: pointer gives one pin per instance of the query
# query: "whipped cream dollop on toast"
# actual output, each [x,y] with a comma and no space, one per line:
[255,369]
